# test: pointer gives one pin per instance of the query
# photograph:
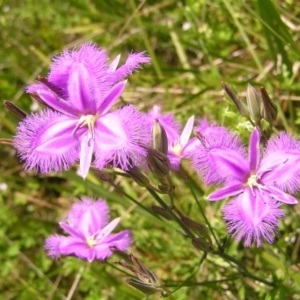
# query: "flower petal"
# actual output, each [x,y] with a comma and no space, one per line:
[111,97]
[133,62]
[107,229]
[280,163]
[225,192]
[220,156]
[53,100]
[122,137]
[86,154]
[46,141]
[253,217]
[254,151]
[187,131]
[281,196]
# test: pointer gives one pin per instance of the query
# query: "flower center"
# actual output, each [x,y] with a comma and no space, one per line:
[253,182]
[176,148]
[91,242]
[89,121]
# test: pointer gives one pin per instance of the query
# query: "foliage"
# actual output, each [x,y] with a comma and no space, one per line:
[194,45]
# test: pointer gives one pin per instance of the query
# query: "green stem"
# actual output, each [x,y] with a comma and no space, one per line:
[164,205]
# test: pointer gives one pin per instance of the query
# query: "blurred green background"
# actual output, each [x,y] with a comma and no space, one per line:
[194,46]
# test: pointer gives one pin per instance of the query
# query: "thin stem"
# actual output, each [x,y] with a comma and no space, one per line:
[164,205]
[203,215]
[192,274]
[244,270]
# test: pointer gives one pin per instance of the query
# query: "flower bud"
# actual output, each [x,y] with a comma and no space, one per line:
[200,244]
[199,228]
[253,102]
[15,110]
[162,212]
[141,179]
[166,186]
[158,162]
[268,109]
[159,138]
[146,288]
[240,105]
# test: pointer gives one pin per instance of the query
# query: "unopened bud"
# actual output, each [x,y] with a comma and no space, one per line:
[158,162]
[202,245]
[146,288]
[240,105]
[199,228]
[165,213]
[268,109]
[253,102]
[15,110]
[166,186]
[103,175]
[141,179]
[159,138]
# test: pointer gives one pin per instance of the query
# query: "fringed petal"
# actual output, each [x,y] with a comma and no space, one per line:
[46,141]
[122,138]
[252,217]
[280,163]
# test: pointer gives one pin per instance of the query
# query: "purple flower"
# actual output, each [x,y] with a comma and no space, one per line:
[167,121]
[182,146]
[89,233]
[258,184]
[79,91]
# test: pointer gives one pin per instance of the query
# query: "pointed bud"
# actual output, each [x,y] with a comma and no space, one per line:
[158,163]
[253,102]
[15,110]
[268,109]
[166,185]
[49,85]
[199,228]
[146,288]
[165,213]
[240,105]
[102,174]
[141,179]
[159,138]
[200,244]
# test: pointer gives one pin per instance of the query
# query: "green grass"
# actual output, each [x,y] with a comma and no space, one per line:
[194,45]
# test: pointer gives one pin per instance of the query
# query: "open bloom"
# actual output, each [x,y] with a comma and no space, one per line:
[89,233]
[79,92]
[259,184]
[182,146]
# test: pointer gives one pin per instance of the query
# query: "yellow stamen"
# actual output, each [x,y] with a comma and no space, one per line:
[89,121]
[91,242]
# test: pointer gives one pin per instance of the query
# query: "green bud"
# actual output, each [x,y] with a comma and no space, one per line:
[141,179]
[199,228]
[159,138]
[268,109]
[158,162]
[200,244]
[162,212]
[253,102]
[146,288]
[166,186]
[15,110]
[240,105]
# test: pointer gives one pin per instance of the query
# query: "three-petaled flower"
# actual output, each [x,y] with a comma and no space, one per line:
[258,184]
[89,233]
[79,92]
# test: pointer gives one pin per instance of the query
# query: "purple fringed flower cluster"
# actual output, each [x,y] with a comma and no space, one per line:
[79,92]
[258,182]
[89,231]
[79,125]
